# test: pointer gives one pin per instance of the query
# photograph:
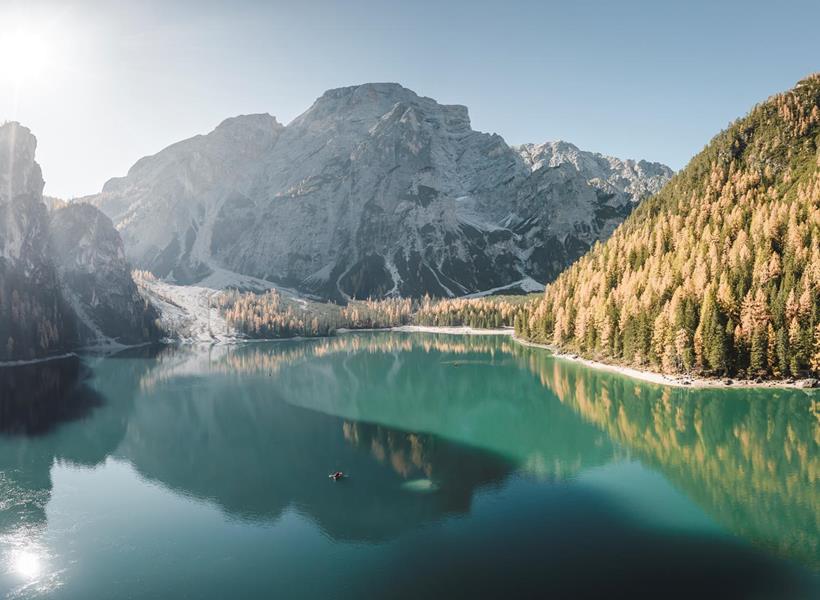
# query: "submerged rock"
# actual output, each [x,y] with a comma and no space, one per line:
[420,486]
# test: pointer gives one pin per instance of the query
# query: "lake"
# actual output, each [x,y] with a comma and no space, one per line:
[475,467]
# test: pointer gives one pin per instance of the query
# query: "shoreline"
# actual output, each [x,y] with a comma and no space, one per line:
[679,381]
[456,330]
[33,361]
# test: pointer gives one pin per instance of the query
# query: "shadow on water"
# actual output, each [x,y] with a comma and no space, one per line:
[575,544]
[37,397]
[243,448]
[50,411]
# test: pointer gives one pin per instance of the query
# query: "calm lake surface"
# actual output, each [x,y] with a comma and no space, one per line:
[477,467]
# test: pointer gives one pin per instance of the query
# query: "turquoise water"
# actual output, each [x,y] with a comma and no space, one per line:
[475,467]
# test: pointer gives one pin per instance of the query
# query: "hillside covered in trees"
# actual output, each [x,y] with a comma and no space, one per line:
[272,315]
[719,272]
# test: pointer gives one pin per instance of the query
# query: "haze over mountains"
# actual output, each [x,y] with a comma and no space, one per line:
[34,318]
[373,191]
[64,280]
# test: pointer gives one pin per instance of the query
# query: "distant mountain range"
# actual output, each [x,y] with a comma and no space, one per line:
[374,191]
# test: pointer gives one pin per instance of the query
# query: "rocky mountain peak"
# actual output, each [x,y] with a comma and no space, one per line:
[58,271]
[261,125]
[377,96]
[33,319]
[19,173]
[612,175]
[369,102]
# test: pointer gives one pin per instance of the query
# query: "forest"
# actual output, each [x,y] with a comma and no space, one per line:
[718,273]
[272,315]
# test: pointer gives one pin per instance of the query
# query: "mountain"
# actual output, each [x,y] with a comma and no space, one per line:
[64,281]
[637,179]
[96,278]
[165,207]
[719,272]
[34,319]
[373,191]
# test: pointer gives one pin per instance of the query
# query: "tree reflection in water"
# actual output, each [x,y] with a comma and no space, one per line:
[255,429]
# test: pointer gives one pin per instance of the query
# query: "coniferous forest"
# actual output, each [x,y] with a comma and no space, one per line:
[719,272]
[271,315]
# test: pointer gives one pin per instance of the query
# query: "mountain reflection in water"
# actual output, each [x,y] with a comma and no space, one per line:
[424,425]
[38,396]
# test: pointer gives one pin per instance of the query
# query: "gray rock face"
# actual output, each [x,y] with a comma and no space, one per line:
[96,278]
[165,206]
[373,191]
[64,280]
[632,180]
[34,320]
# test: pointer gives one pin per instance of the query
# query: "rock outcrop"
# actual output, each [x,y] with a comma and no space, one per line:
[96,278]
[64,280]
[34,320]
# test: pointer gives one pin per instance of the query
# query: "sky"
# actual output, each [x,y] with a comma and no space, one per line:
[103,83]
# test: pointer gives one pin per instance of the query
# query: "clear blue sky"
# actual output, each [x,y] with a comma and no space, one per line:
[117,80]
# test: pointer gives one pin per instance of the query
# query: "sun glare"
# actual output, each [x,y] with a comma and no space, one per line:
[26,564]
[24,55]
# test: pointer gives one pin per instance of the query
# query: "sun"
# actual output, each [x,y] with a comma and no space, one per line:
[24,55]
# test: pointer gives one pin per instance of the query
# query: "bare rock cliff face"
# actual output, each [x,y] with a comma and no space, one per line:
[373,191]
[96,278]
[64,280]
[34,320]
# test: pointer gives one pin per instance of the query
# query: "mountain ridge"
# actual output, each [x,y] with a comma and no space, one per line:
[372,191]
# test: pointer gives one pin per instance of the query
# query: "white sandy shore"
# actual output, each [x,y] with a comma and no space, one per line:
[648,376]
[454,330]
